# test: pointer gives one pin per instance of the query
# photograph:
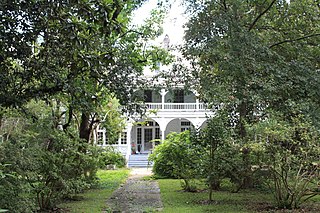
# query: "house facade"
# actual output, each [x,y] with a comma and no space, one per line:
[167,110]
[174,110]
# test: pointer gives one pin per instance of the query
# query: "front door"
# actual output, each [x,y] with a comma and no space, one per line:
[148,137]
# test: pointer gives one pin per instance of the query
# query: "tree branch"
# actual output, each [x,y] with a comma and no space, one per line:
[293,40]
[260,15]
[66,125]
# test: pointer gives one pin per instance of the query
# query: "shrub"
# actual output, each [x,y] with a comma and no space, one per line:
[47,165]
[292,158]
[177,157]
[110,156]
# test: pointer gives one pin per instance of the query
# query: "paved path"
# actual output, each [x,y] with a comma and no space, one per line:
[136,195]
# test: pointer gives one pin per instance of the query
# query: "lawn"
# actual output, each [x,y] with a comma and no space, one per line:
[176,201]
[94,200]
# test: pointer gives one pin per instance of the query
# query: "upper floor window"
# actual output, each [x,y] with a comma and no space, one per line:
[147,95]
[178,96]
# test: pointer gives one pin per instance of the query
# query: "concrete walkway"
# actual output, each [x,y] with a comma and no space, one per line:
[136,195]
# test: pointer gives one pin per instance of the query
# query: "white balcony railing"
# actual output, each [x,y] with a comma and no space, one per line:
[176,106]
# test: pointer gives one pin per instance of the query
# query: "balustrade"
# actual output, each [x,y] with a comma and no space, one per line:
[176,106]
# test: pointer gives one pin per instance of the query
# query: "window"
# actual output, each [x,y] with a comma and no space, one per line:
[185,123]
[157,136]
[124,138]
[178,96]
[149,123]
[147,95]
[139,139]
[100,138]
[184,129]
[139,136]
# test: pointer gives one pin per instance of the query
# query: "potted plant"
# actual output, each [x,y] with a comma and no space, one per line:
[133,148]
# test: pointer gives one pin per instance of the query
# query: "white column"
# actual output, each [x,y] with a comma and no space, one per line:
[163,125]
[162,135]
[104,138]
[94,132]
[197,99]
[129,128]
[163,94]
[197,104]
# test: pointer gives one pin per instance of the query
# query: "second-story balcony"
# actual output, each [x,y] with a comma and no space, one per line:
[172,101]
[176,106]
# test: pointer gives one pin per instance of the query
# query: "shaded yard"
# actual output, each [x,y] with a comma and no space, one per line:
[175,200]
[94,200]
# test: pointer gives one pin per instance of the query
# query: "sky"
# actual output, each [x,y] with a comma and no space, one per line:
[173,23]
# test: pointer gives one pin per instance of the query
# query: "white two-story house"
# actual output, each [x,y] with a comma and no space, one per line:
[167,110]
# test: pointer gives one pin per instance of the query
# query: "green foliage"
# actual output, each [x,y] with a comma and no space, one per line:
[177,157]
[291,154]
[46,166]
[248,58]
[252,58]
[113,120]
[79,53]
[110,156]
[215,140]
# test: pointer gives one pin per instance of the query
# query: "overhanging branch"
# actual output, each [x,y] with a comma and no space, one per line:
[293,40]
[260,15]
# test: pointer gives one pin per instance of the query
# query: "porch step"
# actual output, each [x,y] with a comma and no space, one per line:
[140,161]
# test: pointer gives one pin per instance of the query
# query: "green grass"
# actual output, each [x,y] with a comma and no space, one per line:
[176,201]
[94,200]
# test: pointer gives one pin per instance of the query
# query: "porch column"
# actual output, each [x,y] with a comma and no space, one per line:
[163,135]
[163,94]
[94,134]
[197,104]
[129,128]
[163,129]
[197,99]
[104,137]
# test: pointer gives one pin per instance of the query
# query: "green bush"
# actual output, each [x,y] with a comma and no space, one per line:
[47,165]
[291,156]
[109,156]
[177,157]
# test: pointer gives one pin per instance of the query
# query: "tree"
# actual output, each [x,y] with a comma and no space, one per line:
[214,138]
[251,56]
[62,64]
[78,52]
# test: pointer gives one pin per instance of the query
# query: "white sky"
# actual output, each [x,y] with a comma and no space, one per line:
[172,24]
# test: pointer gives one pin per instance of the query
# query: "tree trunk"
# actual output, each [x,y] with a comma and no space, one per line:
[242,119]
[84,131]
[247,179]
[1,116]
[210,194]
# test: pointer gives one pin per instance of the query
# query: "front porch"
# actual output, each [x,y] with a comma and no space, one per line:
[166,111]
